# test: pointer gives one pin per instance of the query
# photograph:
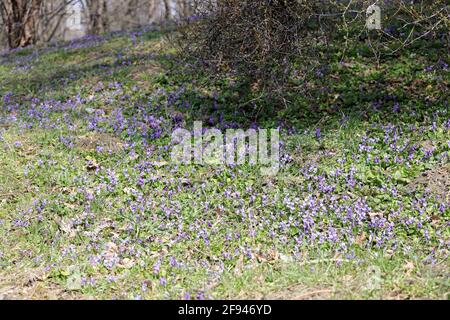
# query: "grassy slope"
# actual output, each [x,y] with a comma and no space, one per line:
[86,213]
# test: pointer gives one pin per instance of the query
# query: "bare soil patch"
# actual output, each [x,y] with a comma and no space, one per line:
[92,141]
[436,180]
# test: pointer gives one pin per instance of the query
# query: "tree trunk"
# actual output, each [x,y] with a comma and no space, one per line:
[167,14]
[97,14]
[30,24]
[20,18]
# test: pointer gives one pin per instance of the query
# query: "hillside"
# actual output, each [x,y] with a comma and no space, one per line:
[360,206]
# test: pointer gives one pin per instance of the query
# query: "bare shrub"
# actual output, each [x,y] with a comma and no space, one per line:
[258,41]
[252,38]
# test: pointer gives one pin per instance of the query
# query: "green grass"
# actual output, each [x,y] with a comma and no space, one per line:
[76,222]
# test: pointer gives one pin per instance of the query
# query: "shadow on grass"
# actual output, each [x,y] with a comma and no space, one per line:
[399,90]
[339,94]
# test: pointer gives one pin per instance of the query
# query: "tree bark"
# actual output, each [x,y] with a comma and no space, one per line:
[30,24]
[20,18]
[167,14]
[97,16]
